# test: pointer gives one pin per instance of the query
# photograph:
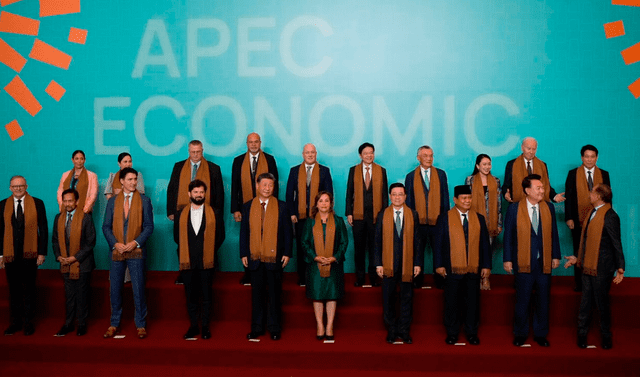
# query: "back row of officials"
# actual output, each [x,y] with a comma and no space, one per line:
[460,237]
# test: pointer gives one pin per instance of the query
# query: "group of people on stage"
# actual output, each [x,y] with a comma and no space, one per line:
[393,237]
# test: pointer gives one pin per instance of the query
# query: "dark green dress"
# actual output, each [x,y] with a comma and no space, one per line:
[332,287]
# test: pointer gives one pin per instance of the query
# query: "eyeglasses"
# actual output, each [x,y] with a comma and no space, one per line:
[18,186]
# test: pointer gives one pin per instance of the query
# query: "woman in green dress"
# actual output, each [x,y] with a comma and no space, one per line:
[325,243]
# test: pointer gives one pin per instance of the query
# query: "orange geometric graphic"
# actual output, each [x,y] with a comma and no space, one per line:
[49,54]
[631,3]
[11,57]
[632,54]
[7,2]
[635,88]
[14,130]
[58,7]
[614,29]
[19,92]
[77,35]
[55,90]
[12,23]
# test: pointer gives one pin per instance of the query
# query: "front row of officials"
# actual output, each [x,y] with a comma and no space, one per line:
[462,255]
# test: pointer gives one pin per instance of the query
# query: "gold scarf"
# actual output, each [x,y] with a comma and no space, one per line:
[324,248]
[358,191]
[245,173]
[264,236]
[591,251]
[478,202]
[185,178]
[434,197]
[115,184]
[524,237]
[407,243]
[302,188]
[74,241]
[134,227]
[460,262]
[519,172]
[208,249]
[30,246]
[582,188]
[82,186]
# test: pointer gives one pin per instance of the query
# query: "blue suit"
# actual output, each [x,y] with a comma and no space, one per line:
[325,183]
[136,266]
[526,282]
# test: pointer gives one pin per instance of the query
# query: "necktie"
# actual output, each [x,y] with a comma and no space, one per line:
[194,171]
[398,224]
[590,181]
[529,170]
[465,227]
[264,213]
[308,175]
[254,165]
[19,212]
[426,179]
[67,230]
[367,178]
[74,180]
[126,206]
[534,219]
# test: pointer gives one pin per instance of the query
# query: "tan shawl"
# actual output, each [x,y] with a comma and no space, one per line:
[185,178]
[460,262]
[302,188]
[324,247]
[134,227]
[524,237]
[209,238]
[30,246]
[74,241]
[590,251]
[358,191]
[478,203]
[245,174]
[518,174]
[407,243]
[582,188]
[434,197]
[81,187]
[264,236]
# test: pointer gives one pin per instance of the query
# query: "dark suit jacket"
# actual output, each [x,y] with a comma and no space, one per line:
[325,184]
[351,196]
[444,190]
[571,193]
[442,248]
[610,257]
[18,233]
[236,180]
[510,251]
[284,236]
[87,241]
[216,188]
[147,224]
[196,242]
[508,179]
[397,244]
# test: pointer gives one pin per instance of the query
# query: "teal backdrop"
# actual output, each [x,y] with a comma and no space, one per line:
[464,77]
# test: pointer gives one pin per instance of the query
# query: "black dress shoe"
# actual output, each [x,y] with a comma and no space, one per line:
[582,341]
[519,340]
[64,330]
[358,283]
[192,332]
[329,337]
[542,341]
[407,339]
[607,343]
[206,333]
[275,336]
[245,279]
[12,329]
[451,339]
[82,330]
[29,329]
[473,340]
[391,337]
[577,289]
[179,280]
[376,284]
[254,335]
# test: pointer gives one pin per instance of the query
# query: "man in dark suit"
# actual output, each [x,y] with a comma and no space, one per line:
[580,181]
[246,167]
[427,194]
[531,251]
[127,225]
[23,226]
[305,182]
[601,256]
[462,256]
[367,196]
[265,249]
[398,259]
[199,234]
[194,167]
[526,164]
[73,240]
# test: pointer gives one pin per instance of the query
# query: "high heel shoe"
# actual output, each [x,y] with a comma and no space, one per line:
[320,337]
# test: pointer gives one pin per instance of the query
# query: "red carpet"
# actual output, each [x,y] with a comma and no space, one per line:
[359,347]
